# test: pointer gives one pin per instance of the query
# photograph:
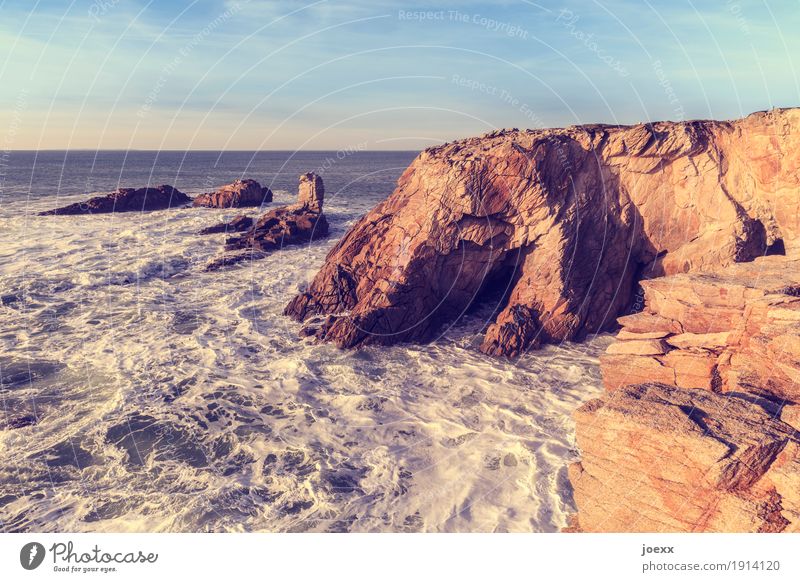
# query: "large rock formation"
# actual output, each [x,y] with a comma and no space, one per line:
[298,223]
[311,192]
[237,194]
[562,223]
[127,200]
[698,429]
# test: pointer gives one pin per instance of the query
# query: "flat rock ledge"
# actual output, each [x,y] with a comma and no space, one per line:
[698,432]
[126,200]
[561,224]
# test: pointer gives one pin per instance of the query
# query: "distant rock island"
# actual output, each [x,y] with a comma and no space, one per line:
[238,194]
[126,200]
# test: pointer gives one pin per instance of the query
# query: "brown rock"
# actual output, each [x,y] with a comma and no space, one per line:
[237,224]
[662,459]
[237,194]
[127,200]
[289,225]
[650,347]
[566,218]
[311,192]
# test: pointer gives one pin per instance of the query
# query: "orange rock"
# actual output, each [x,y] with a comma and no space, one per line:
[692,370]
[790,414]
[664,459]
[705,341]
[566,219]
[649,347]
[624,334]
[623,370]
[741,330]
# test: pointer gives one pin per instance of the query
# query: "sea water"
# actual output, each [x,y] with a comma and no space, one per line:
[140,393]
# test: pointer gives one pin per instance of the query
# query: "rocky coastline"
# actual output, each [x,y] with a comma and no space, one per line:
[681,236]
[562,223]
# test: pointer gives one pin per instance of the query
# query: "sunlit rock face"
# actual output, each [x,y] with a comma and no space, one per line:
[698,427]
[558,224]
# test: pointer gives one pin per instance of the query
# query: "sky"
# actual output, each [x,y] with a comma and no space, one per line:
[374,74]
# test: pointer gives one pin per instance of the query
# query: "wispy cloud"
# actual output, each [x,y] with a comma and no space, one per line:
[234,71]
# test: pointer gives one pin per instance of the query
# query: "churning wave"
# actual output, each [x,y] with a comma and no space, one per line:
[140,393]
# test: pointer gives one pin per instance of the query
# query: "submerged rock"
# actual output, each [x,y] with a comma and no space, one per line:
[127,200]
[237,224]
[562,222]
[237,194]
[289,225]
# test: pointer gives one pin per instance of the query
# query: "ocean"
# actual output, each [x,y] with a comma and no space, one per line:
[141,393]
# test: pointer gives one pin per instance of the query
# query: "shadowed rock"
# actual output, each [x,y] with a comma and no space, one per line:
[562,222]
[127,200]
[238,224]
[238,194]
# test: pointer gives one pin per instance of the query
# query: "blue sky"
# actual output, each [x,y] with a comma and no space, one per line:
[373,74]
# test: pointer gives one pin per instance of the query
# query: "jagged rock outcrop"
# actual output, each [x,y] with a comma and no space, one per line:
[298,223]
[733,331]
[562,222]
[239,223]
[237,194]
[663,459]
[127,200]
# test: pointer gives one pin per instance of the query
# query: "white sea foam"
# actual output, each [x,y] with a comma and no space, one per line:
[170,399]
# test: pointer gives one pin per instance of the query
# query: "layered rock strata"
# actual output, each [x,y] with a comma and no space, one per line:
[733,331]
[296,224]
[127,200]
[698,428]
[559,223]
[237,194]
[663,459]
